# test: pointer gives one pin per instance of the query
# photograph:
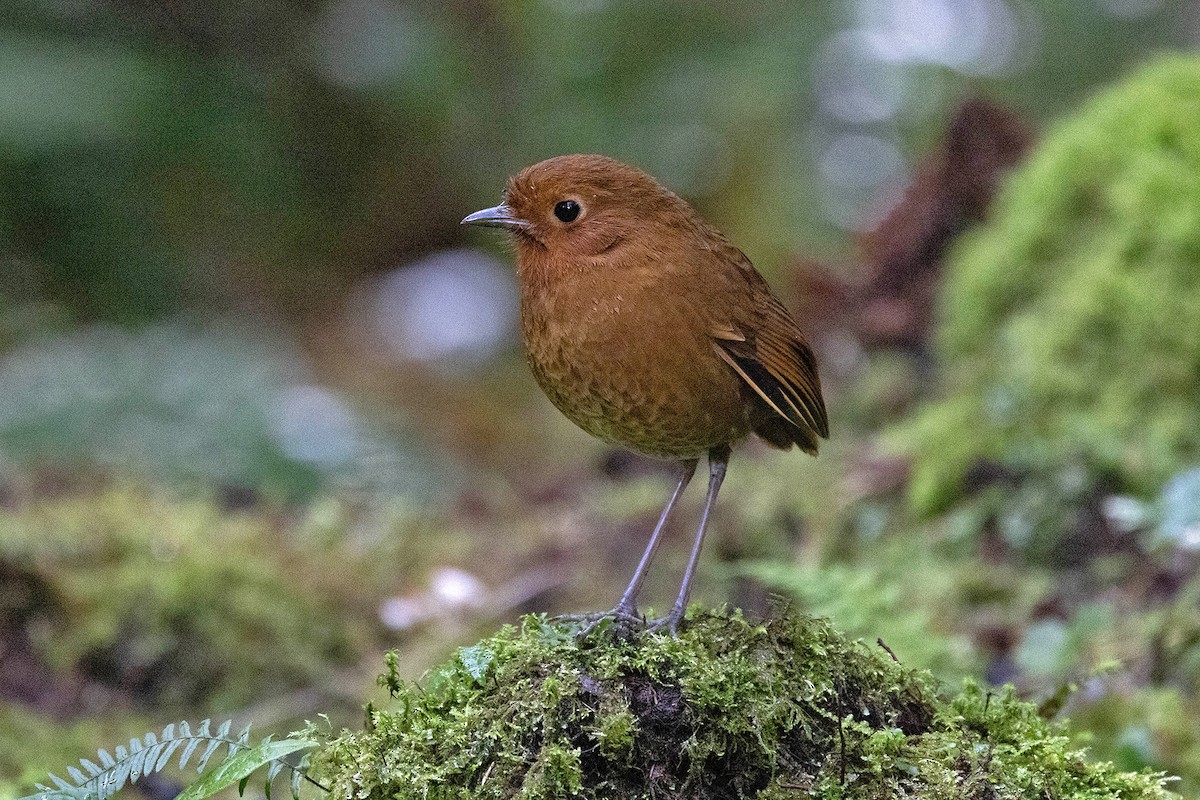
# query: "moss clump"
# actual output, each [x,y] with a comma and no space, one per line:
[174,602]
[1068,331]
[783,709]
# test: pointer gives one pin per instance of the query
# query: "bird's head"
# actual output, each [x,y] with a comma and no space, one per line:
[581,206]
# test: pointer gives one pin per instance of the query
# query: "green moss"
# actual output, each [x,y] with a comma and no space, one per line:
[178,603]
[616,728]
[783,709]
[1068,330]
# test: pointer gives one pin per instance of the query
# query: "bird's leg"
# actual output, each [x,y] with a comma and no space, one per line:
[718,460]
[626,608]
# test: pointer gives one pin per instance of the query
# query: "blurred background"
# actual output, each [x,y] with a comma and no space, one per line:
[263,413]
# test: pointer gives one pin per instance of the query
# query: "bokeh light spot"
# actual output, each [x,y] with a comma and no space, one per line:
[452,306]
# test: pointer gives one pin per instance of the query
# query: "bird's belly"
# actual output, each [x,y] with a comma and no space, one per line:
[638,386]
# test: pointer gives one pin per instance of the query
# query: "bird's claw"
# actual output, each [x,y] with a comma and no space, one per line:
[623,618]
[670,622]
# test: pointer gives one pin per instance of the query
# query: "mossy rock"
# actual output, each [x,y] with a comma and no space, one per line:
[787,708]
[1069,331]
[176,603]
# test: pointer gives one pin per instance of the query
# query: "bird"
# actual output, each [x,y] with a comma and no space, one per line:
[650,330]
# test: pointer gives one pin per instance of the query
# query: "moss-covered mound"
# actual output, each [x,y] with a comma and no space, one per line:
[730,709]
[171,603]
[1070,330]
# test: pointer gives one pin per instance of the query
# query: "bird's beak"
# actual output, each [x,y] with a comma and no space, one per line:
[500,216]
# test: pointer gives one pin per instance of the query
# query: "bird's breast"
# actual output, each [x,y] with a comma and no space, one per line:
[632,365]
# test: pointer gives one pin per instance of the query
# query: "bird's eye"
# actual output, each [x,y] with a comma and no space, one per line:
[566,210]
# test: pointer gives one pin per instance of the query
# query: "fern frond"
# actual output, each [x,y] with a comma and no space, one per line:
[152,753]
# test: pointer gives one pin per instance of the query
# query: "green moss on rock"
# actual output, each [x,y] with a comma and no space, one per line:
[174,602]
[1069,321]
[783,709]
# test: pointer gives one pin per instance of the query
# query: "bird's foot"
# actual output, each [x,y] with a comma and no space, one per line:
[623,618]
[669,623]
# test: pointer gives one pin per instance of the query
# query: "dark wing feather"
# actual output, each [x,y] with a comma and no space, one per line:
[782,348]
[777,363]
[771,355]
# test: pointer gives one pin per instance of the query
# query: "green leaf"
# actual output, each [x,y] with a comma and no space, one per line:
[209,749]
[150,754]
[244,737]
[58,93]
[167,752]
[192,744]
[296,776]
[476,660]
[233,770]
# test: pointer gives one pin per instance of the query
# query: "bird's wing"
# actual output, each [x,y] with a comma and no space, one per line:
[773,357]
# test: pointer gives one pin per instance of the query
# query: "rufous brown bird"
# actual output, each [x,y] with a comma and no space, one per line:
[647,328]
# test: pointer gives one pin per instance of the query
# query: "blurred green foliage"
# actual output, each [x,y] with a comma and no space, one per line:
[1141,727]
[1068,336]
[220,405]
[165,158]
[897,586]
[218,154]
[180,604]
